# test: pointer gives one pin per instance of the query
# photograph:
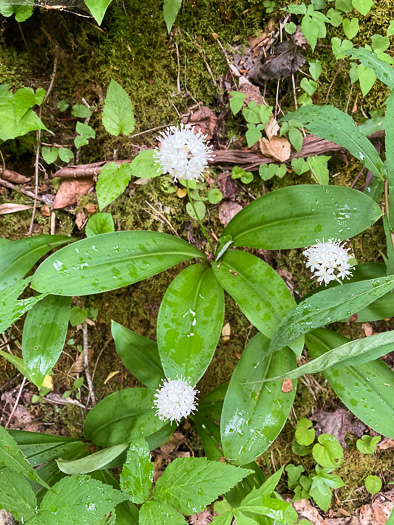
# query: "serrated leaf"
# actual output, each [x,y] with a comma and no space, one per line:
[99,223]
[170,11]
[329,306]
[92,462]
[332,124]
[78,499]
[44,335]
[252,415]
[297,216]
[112,181]
[366,390]
[16,495]
[189,323]
[257,289]
[190,484]
[118,112]
[12,457]
[138,354]
[137,474]
[98,8]
[109,261]
[159,513]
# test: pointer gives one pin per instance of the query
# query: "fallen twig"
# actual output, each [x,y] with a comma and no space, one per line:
[16,402]
[86,362]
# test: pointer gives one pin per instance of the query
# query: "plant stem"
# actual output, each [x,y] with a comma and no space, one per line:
[198,218]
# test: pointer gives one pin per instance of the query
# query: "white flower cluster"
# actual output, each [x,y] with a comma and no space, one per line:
[175,399]
[329,261]
[183,153]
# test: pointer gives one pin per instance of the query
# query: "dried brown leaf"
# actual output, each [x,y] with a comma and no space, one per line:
[272,127]
[204,120]
[69,191]
[45,210]
[10,207]
[287,386]
[13,176]
[228,210]
[337,423]
[226,332]
[278,148]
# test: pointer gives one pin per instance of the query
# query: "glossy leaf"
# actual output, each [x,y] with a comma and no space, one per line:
[17,362]
[19,257]
[383,71]
[118,112]
[137,474]
[159,513]
[190,484]
[209,434]
[16,495]
[138,354]
[211,404]
[366,389]
[12,457]
[329,306]
[122,417]
[332,124]
[354,353]
[44,335]
[96,461]
[110,261]
[189,323]
[297,216]
[253,412]
[258,290]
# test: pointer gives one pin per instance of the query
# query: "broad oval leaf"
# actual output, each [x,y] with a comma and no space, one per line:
[18,257]
[330,123]
[297,216]
[137,474]
[145,165]
[118,112]
[258,290]
[122,417]
[138,354]
[111,182]
[190,322]
[109,261]
[366,389]
[329,306]
[253,412]
[44,335]
[96,461]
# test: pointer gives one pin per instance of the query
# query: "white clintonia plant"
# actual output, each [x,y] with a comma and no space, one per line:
[175,399]
[184,153]
[329,261]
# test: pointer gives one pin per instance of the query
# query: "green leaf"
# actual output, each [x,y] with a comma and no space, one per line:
[350,27]
[138,354]
[296,138]
[313,28]
[335,18]
[215,196]
[243,519]
[373,484]
[389,141]
[273,508]
[258,290]
[253,135]
[145,165]
[78,497]
[78,315]
[96,461]
[305,433]
[362,6]
[44,335]
[367,444]
[209,434]
[16,495]
[99,223]
[20,256]
[137,474]
[85,130]
[17,362]
[315,68]
[290,218]
[65,154]
[236,101]
[159,513]
[62,105]
[110,261]
[223,519]
[329,306]
[200,210]
[380,43]
[308,85]
[390,29]
[332,124]
[98,8]
[366,77]
[190,484]
[383,71]
[328,452]
[80,141]
[254,415]
[321,487]
[189,323]
[354,353]
[112,181]
[170,11]
[118,113]
[290,28]
[12,457]
[293,475]
[122,417]
[81,111]
[365,389]
[49,154]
